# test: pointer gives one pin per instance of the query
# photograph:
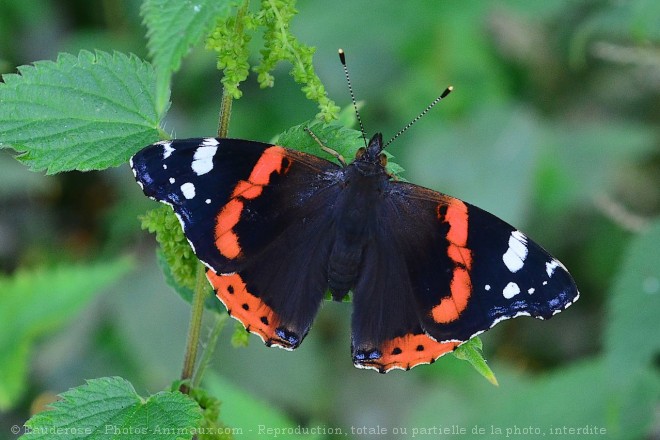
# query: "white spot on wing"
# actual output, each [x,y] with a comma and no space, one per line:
[167,149]
[207,201]
[172,180]
[511,290]
[531,290]
[210,142]
[487,287]
[203,159]
[514,257]
[188,190]
[551,266]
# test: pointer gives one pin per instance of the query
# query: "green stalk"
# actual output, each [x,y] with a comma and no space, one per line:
[220,321]
[192,343]
[201,285]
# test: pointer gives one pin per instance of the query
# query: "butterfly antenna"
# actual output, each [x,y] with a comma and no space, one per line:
[447,91]
[342,58]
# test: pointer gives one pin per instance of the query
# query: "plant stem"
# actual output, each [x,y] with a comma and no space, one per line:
[220,321]
[225,103]
[201,285]
[194,329]
[225,112]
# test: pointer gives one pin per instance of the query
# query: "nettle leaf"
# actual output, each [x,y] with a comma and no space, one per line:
[173,28]
[110,408]
[35,303]
[344,141]
[85,112]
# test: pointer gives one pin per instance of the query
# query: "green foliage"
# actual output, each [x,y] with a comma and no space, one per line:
[230,40]
[554,107]
[345,141]
[281,45]
[471,351]
[210,427]
[174,246]
[173,28]
[211,302]
[110,408]
[88,112]
[36,303]
[240,337]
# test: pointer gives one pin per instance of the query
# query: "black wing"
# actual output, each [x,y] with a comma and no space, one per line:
[257,216]
[456,272]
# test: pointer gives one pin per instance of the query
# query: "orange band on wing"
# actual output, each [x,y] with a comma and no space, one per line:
[226,239]
[247,190]
[408,351]
[272,160]
[455,214]
[251,311]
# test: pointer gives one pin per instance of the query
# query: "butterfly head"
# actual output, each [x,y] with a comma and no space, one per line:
[373,153]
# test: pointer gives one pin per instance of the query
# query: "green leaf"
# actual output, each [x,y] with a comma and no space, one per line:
[173,28]
[344,141]
[36,303]
[110,408]
[175,249]
[88,112]
[471,352]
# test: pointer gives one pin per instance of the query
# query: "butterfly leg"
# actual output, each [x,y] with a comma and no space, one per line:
[325,148]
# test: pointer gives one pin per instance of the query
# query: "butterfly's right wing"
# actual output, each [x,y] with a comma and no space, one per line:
[450,269]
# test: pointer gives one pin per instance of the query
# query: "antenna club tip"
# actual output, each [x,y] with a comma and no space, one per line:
[342,57]
[447,91]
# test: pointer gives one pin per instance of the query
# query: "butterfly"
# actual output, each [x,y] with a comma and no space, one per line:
[278,228]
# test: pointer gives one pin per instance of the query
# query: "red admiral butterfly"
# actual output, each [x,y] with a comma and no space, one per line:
[278,228]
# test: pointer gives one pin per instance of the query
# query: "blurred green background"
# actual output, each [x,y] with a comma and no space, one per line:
[552,126]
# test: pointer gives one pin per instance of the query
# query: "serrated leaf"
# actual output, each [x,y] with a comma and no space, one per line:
[36,303]
[110,408]
[173,28]
[344,141]
[85,112]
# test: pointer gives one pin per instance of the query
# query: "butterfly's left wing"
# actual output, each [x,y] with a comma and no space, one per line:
[258,216]
[444,272]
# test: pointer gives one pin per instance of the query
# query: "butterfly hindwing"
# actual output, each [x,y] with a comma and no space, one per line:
[386,326]
[256,215]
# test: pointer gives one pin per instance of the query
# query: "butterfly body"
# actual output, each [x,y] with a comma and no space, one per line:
[278,228]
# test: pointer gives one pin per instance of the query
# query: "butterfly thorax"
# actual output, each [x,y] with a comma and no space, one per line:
[364,183]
